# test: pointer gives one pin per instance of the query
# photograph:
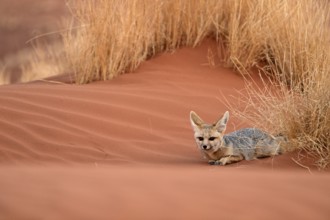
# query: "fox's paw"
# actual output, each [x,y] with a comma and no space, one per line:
[224,161]
[215,162]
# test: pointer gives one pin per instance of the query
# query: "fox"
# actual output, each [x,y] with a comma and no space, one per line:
[244,144]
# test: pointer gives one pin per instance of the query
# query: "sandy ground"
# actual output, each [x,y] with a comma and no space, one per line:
[124,149]
[171,192]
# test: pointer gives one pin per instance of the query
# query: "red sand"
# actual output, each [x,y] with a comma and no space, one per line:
[124,149]
[173,192]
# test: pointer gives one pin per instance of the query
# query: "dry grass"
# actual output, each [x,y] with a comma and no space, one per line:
[303,117]
[291,47]
[44,61]
[116,36]
[4,77]
[112,37]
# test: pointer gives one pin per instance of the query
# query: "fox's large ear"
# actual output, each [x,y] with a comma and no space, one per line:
[195,121]
[222,123]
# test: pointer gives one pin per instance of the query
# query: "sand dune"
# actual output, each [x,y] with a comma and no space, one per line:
[124,149]
[126,119]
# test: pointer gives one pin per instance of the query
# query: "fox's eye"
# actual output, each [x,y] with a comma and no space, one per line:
[200,138]
[211,138]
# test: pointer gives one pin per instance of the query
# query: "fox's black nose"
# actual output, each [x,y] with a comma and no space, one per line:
[204,147]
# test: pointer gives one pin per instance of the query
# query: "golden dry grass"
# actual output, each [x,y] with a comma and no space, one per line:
[116,36]
[45,61]
[4,77]
[302,117]
[292,47]
[42,61]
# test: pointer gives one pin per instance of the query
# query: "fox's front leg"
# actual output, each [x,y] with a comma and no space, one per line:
[214,162]
[222,161]
[230,159]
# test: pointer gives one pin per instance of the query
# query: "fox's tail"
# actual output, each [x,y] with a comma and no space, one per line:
[281,140]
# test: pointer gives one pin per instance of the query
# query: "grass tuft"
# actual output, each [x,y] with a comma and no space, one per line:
[291,48]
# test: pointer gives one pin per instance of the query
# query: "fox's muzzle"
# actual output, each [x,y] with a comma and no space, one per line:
[206,147]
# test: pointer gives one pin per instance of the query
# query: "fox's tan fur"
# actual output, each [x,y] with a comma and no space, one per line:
[221,149]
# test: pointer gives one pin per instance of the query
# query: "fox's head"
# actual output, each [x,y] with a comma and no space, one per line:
[209,137]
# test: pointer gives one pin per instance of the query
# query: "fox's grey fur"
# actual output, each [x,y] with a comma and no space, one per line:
[221,149]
